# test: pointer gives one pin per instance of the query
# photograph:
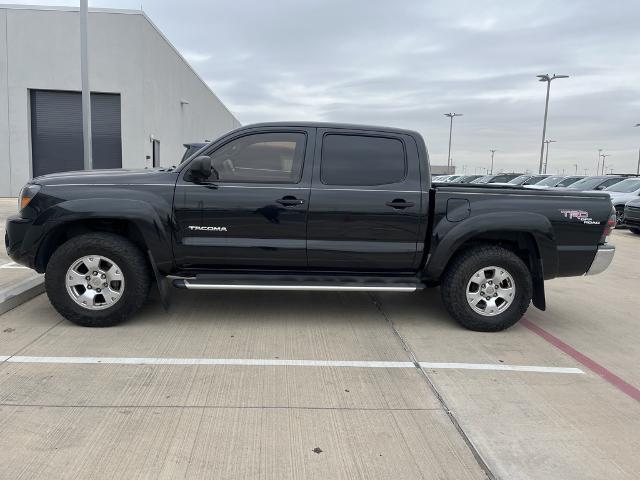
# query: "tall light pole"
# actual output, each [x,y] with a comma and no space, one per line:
[450,115]
[546,78]
[604,156]
[598,166]
[492,154]
[546,161]
[638,168]
[86,93]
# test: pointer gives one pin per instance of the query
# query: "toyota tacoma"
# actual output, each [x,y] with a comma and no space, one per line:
[303,206]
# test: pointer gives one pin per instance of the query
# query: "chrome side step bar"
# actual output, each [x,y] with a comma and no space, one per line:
[325,288]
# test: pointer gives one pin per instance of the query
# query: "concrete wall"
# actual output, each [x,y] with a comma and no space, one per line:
[39,49]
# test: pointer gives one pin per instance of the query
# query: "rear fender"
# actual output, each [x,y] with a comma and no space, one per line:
[539,241]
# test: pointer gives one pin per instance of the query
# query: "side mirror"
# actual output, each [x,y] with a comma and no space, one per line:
[600,187]
[200,168]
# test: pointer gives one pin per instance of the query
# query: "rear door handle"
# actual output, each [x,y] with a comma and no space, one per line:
[399,203]
[290,201]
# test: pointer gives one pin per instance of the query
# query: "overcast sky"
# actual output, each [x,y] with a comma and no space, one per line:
[406,63]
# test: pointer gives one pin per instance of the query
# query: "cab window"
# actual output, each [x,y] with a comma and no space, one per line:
[261,158]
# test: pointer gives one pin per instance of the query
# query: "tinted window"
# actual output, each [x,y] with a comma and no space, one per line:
[626,186]
[549,181]
[568,181]
[484,179]
[361,160]
[261,158]
[502,178]
[587,183]
[519,180]
[535,179]
[610,182]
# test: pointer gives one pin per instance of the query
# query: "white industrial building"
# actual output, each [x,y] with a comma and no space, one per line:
[146,99]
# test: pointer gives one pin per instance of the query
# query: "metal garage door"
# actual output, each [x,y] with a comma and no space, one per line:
[56,131]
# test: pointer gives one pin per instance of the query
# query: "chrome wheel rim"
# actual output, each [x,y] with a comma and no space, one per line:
[95,282]
[490,291]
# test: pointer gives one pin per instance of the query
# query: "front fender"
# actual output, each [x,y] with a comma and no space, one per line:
[154,228]
[448,237]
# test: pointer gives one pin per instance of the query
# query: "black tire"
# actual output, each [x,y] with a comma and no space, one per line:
[135,270]
[459,273]
[635,230]
[620,216]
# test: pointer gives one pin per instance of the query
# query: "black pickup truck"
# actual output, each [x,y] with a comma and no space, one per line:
[303,206]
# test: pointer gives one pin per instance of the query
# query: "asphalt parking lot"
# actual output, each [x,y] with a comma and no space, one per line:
[328,385]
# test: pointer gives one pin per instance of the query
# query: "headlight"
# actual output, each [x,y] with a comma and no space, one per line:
[26,195]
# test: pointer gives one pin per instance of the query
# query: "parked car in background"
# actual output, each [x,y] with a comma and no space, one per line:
[191,148]
[526,179]
[595,183]
[547,182]
[621,193]
[499,178]
[557,181]
[566,181]
[466,178]
[440,178]
[632,215]
[452,178]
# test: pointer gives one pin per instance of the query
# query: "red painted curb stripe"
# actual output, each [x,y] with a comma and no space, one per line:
[592,365]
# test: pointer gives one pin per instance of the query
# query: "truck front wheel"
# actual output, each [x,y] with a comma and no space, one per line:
[487,288]
[97,279]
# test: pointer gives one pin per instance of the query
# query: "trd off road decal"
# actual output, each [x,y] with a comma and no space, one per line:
[581,215]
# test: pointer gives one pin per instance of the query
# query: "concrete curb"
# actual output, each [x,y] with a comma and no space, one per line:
[21,292]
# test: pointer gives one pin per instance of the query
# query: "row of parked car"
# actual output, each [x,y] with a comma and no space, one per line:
[624,190]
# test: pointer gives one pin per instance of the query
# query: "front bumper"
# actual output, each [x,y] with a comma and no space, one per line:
[602,260]
[17,230]
[632,216]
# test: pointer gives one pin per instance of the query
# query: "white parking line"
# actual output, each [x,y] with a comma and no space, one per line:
[500,366]
[12,265]
[280,362]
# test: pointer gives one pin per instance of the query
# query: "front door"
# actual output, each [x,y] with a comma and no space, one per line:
[366,211]
[254,214]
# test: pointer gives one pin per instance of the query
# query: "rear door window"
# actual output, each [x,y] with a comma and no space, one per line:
[362,160]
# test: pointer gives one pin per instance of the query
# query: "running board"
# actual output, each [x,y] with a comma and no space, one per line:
[300,283]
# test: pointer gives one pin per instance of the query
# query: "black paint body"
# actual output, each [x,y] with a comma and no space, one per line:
[333,229]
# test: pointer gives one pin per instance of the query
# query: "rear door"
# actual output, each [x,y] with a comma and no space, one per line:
[254,214]
[365,206]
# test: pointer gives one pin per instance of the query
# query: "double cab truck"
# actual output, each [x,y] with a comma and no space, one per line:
[303,206]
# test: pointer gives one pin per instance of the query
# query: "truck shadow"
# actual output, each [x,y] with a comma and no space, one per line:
[300,307]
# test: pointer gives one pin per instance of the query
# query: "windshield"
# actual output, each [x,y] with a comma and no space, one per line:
[549,181]
[503,178]
[626,186]
[587,183]
[519,180]
[568,181]
[484,179]
[536,179]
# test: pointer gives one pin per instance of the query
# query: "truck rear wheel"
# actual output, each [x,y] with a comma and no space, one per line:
[97,279]
[487,288]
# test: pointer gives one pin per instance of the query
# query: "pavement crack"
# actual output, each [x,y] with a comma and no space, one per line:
[414,359]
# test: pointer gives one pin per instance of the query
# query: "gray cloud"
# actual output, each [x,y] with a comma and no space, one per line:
[406,63]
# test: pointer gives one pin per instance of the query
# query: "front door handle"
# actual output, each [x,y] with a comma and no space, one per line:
[400,203]
[290,201]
